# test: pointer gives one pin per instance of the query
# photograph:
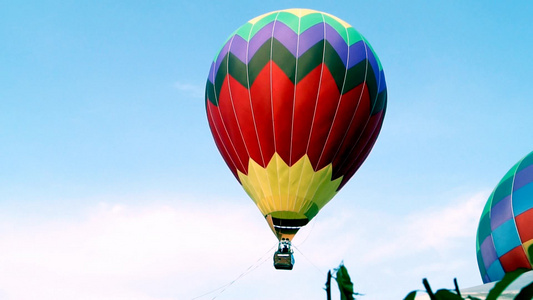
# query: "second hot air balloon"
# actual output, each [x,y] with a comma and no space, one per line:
[295,100]
[505,231]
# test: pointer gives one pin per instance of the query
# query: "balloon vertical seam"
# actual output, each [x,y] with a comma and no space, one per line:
[513,213]
[262,189]
[316,102]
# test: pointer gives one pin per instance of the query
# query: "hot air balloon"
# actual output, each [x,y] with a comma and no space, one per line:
[505,231]
[295,100]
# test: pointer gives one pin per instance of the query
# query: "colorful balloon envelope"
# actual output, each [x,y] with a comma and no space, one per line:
[505,231]
[295,100]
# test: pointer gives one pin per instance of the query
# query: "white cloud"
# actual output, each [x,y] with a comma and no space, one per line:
[191,90]
[183,250]
[388,254]
[436,228]
[123,252]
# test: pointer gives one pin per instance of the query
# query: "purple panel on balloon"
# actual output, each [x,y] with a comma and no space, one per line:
[310,37]
[523,177]
[488,252]
[357,53]
[286,37]
[338,43]
[501,212]
[222,54]
[238,47]
[212,73]
[259,39]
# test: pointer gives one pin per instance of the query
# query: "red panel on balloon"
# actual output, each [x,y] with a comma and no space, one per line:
[260,94]
[326,105]
[304,112]
[282,103]
[515,259]
[524,224]
[243,111]
[228,121]
[221,138]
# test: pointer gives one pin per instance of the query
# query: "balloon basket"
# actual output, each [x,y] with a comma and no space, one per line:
[283,257]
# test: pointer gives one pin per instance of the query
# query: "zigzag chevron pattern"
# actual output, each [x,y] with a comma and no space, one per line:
[338,46]
[308,61]
[296,83]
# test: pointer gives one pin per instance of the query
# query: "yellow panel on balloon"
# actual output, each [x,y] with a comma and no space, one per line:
[527,245]
[289,192]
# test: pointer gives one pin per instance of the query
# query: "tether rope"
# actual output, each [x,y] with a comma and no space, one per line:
[317,268]
[251,268]
[309,233]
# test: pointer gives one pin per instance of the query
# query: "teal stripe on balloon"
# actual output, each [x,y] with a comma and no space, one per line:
[523,199]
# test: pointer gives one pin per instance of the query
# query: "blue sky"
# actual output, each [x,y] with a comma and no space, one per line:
[112,188]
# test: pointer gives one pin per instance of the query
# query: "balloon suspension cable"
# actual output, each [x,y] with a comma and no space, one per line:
[310,230]
[250,269]
[317,268]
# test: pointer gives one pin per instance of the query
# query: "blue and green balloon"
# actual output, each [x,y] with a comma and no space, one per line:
[505,232]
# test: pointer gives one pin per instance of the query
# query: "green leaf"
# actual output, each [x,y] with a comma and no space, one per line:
[530,253]
[345,283]
[410,296]
[447,295]
[526,293]
[498,289]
